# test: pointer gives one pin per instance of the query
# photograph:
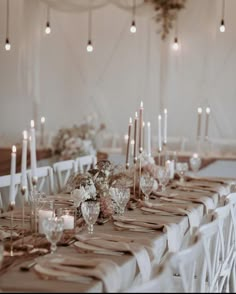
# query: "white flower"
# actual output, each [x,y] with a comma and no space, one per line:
[79,196]
[91,189]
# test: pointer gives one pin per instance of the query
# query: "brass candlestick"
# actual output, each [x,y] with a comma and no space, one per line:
[23,191]
[139,172]
[134,186]
[11,208]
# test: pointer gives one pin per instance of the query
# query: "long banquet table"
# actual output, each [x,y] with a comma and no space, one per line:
[126,269]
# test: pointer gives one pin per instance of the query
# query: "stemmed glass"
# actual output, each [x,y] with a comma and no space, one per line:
[121,197]
[181,169]
[146,185]
[90,212]
[163,175]
[195,163]
[53,229]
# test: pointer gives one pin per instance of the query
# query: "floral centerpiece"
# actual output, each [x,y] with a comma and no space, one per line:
[70,143]
[96,184]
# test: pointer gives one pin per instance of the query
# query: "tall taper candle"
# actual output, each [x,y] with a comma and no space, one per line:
[149,139]
[159,134]
[143,135]
[42,125]
[140,127]
[135,136]
[128,143]
[12,193]
[208,110]
[165,127]
[33,151]
[24,161]
[199,121]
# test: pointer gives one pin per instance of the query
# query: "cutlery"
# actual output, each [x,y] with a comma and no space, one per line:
[27,266]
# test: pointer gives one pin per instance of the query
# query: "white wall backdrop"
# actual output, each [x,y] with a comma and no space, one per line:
[54,76]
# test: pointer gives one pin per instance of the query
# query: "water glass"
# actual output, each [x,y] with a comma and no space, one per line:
[163,175]
[53,229]
[195,163]
[181,169]
[90,212]
[146,185]
[121,198]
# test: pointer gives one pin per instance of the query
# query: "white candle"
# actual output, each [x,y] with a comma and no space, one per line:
[159,134]
[12,191]
[128,143]
[135,136]
[68,222]
[208,110]
[143,134]
[165,127]
[33,160]
[42,131]
[132,147]
[24,161]
[43,214]
[199,119]
[149,152]
[140,127]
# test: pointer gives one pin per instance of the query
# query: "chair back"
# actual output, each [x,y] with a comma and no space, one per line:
[84,163]
[45,179]
[63,170]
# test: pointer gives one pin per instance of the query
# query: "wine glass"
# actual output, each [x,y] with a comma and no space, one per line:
[53,229]
[146,185]
[195,163]
[181,169]
[90,212]
[163,175]
[122,196]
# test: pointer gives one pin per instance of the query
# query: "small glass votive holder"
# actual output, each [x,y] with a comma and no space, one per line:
[68,214]
[45,209]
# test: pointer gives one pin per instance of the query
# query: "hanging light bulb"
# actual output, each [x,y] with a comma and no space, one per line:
[133,27]
[48,28]
[89,46]
[7,45]
[222,26]
[175,45]
[222,23]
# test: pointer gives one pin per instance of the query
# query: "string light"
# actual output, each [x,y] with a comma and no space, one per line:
[7,43]
[222,23]
[133,28]
[48,27]
[89,45]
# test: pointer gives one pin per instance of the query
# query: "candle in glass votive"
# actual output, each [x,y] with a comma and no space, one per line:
[43,214]
[135,136]
[12,191]
[42,126]
[159,134]
[149,139]
[24,161]
[208,110]
[140,127]
[68,221]
[165,127]
[128,143]
[33,151]
[199,119]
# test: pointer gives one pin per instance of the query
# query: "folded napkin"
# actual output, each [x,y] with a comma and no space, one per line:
[4,234]
[138,251]
[103,269]
[142,221]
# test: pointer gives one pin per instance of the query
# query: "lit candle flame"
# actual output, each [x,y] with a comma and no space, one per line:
[14,149]
[32,123]
[25,135]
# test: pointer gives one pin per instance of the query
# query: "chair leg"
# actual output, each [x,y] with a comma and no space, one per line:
[232,279]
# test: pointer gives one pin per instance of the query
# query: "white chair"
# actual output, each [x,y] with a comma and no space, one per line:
[162,282]
[63,170]
[231,249]
[213,253]
[84,163]
[45,179]
[5,182]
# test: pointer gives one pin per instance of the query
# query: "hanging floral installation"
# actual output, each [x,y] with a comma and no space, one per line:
[167,11]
